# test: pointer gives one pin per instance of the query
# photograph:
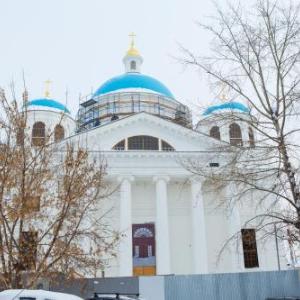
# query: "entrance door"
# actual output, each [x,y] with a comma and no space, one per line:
[144,260]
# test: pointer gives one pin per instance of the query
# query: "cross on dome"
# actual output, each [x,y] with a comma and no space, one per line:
[132,51]
[47,88]
[132,35]
[223,95]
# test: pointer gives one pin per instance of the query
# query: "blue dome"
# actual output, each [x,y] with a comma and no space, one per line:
[133,80]
[226,106]
[48,103]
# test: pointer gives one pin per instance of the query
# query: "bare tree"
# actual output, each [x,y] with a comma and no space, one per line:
[52,220]
[256,55]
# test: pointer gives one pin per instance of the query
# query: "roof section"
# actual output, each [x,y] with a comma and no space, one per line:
[50,103]
[226,106]
[133,80]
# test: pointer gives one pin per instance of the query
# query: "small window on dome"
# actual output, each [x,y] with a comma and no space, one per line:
[133,65]
[38,134]
[215,132]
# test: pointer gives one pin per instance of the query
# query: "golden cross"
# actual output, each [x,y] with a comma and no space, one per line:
[47,88]
[132,35]
[223,95]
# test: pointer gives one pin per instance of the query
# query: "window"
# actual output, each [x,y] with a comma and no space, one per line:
[215,132]
[150,252]
[120,146]
[251,138]
[136,251]
[38,134]
[235,135]
[28,249]
[133,65]
[142,142]
[143,232]
[20,136]
[59,133]
[166,147]
[250,248]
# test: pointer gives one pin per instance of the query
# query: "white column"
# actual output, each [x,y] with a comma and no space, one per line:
[125,247]
[163,265]
[234,220]
[199,241]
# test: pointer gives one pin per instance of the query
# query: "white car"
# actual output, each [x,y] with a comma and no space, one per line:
[35,295]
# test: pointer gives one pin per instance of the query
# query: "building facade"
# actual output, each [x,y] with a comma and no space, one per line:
[170,220]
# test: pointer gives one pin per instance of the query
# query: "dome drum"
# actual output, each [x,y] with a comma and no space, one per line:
[113,106]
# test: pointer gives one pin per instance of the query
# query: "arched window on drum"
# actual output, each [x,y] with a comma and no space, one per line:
[38,134]
[235,135]
[251,138]
[215,132]
[59,133]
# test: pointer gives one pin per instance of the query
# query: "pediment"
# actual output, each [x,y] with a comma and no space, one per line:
[181,138]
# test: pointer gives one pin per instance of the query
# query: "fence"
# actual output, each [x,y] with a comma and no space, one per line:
[235,286]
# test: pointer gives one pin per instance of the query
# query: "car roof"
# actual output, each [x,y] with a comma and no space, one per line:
[38,294]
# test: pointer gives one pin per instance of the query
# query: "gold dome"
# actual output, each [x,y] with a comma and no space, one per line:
[132,51]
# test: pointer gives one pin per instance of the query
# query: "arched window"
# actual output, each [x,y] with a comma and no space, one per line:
[235,135]
[251,138]
[120,146]
[143,142]
[59,133]
[166,147]
[38,134]
[133,65]
[215,132]
[143,232]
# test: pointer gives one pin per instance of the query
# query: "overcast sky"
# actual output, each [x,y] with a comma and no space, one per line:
[79,44]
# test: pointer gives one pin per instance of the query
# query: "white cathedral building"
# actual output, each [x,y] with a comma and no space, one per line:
[168,218]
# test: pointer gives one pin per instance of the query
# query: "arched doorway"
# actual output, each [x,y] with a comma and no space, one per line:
[143,249]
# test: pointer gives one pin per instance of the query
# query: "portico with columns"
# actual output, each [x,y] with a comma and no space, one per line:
[193,212]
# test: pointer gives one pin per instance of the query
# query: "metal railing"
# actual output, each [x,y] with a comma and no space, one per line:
[105,108]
